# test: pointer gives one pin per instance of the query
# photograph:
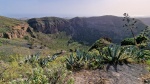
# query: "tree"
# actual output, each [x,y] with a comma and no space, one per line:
[130,24]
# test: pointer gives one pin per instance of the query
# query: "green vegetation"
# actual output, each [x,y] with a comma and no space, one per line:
[26,67]
[100,44]
[130,24]
[8,22]
[128,41]
[3,30]
[141,41]
[112,55]
[83,60]
[38,69]
[51,58]
[33,70]
[58,41]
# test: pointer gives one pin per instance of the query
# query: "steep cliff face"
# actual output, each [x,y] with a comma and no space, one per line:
[50,25]
[86,30]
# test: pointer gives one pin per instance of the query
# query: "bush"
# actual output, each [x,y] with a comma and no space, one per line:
[139,55]
[26,37]
[128,41]
[36,59]
[83,60]
[33,72]
[141,39]
[4,30]
[100,44]
[114,55]
[38,77]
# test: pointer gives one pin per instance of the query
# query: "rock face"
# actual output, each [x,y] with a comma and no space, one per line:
[50,25]
[85,29]
[12,28]
[18,31]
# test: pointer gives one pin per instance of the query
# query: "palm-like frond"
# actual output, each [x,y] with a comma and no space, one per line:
[113,55]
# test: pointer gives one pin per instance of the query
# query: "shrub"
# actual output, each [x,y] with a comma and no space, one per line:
[32,72]
[36,59]
[130,24]
[14,71]
[26,37]
[75,62]
[128,41]
[100,44]
[57,75]
[4,30]
[38,77]
[139,55]
[83,60]
[141,39]
[113,56]
[32,59]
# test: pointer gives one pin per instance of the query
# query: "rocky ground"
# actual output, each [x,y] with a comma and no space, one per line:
[131,74]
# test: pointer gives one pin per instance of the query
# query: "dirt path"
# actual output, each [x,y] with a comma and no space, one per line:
[131,74]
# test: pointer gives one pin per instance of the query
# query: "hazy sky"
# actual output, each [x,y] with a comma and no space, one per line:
[71,8]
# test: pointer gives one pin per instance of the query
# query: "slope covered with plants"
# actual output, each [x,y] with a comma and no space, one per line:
[51,54]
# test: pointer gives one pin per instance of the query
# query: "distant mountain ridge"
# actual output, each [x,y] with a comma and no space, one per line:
[85,29]
[145,20]
[81,29]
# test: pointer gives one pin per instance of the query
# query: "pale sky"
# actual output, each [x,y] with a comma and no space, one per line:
[72,8]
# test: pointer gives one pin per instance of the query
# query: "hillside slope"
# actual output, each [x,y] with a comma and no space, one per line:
[12,28]
[50,25]
[145,20]
[86,29]
[18,33]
